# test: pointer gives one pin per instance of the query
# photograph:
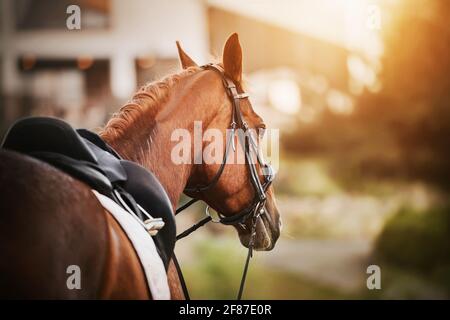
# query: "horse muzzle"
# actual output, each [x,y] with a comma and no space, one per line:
[267,232]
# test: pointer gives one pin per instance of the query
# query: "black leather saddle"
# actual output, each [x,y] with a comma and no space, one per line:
[85,156]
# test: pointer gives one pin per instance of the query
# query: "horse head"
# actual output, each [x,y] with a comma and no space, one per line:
[239,191]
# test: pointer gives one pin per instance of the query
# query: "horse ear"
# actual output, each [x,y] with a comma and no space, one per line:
[185,60]
[232,58]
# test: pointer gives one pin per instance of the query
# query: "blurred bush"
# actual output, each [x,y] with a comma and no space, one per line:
[418,241]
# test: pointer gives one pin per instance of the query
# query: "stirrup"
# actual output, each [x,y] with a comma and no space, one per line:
[151,225]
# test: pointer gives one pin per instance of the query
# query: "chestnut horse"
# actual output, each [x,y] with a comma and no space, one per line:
[49,220]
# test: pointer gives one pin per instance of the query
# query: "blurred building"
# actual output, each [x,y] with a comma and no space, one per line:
[296,66]
[48,69]
[293,74]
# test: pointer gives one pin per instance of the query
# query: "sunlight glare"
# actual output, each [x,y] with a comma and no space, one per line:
[284,95]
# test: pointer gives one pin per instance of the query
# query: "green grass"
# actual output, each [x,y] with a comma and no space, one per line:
[218,273]
[215,268]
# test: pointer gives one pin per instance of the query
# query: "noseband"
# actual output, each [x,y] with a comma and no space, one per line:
[239,127]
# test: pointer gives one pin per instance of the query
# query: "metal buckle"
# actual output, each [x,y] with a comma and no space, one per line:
[153,225]
[241,95]
[216,220]
[270,174]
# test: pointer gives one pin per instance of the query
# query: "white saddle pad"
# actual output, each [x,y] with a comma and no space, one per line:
[145,247]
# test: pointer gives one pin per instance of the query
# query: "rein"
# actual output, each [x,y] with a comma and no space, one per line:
[257,208]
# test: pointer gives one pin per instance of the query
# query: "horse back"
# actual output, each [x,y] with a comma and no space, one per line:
[53,230]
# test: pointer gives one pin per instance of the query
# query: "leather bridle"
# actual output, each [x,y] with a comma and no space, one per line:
[256,209]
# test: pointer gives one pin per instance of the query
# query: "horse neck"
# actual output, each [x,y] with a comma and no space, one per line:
[149,145]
